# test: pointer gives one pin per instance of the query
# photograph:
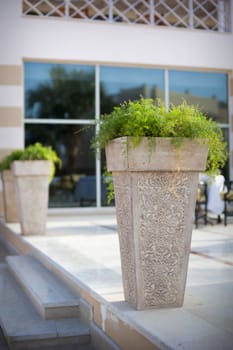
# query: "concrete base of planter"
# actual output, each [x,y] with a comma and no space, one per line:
[11,212]
[32,184]
[155,211]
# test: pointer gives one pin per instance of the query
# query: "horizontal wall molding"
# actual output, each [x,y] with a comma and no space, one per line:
[11,117]
[10,75]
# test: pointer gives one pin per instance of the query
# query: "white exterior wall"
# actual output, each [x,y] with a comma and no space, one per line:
[71,40]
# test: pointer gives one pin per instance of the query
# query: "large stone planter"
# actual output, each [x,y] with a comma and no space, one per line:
[155,192]
[11,213]
[32,184]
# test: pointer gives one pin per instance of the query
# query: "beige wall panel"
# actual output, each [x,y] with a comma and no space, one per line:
[96,308]
[125,336]
[10,75]
[10,116]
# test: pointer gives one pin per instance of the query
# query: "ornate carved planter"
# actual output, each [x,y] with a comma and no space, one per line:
[155,192]
[32,184]
[11,212]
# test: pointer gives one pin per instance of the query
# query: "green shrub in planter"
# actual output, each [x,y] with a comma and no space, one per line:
[5,164]
[33,152]
[144,117]
[39,152]
[155,157]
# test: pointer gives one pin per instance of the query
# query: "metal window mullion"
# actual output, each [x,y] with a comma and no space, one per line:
[59,121]
[98,155]
[110,11]
[166,89]
[221,16]
[191,14]
[151,9]
[67,8]
[228,24]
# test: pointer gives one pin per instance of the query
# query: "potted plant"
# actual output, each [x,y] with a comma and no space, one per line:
[33,172]
[155,157]
[11,213]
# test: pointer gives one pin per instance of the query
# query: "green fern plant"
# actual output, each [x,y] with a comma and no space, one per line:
[146,117]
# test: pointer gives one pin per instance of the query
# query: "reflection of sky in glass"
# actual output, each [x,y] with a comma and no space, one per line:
[35,73]
[59,90]
[117,78]
[205,84]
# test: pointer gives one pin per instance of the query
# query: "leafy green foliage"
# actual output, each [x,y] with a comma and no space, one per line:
[39,152]
[145,118]
[108,179]
[5,164]
[32,152]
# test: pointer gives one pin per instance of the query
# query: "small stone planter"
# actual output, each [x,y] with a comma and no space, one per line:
[155,192]
[11,213]
[32,185]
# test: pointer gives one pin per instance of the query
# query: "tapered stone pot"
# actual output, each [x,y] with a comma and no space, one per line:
[155,192]
[32,185]
[11,213]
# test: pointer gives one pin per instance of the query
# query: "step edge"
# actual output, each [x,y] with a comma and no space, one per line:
[42,307]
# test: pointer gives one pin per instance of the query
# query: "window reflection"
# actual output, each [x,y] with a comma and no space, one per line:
[207,90]
[68,91]
[74,184]
[59,91]
[119,84]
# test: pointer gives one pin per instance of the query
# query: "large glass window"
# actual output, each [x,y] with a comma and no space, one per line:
[74,184]
[60,111]
[63,101]
[119,84]
[58,91]
[208,90]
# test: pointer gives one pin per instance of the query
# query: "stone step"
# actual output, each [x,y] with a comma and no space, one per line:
[24,328]
[49,295]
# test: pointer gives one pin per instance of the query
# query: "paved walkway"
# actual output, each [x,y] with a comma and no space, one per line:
[3,254]
[86,245]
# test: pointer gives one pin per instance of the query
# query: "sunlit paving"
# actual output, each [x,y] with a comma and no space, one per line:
[85,249]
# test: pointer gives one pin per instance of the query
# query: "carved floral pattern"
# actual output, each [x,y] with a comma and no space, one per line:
[122,185]
[155,235]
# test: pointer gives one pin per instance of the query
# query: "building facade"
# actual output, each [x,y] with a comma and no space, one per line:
[63,63]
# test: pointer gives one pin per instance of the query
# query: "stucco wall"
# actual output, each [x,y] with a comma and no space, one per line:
[71,40]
